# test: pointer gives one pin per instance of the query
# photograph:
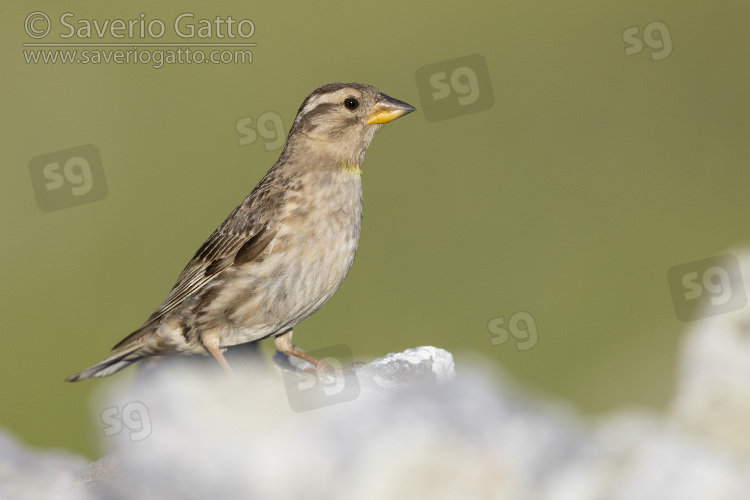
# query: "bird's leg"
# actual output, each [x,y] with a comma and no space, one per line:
[211,343]
[221,359]
[284,345]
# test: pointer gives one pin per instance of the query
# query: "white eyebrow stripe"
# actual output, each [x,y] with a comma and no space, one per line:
[328,97]
[313,103]
[321,98]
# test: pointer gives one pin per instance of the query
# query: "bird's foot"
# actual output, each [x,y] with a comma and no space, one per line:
[352,368]
[324,370]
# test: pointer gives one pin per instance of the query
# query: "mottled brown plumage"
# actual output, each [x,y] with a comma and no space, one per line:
[284,251]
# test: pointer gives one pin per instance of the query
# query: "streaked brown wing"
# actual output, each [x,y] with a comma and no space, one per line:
[241,238]
[219,252]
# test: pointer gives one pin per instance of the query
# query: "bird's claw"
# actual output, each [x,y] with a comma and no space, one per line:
[325,371]
[352,368]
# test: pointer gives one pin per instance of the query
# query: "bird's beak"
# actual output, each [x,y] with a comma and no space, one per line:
[388,109]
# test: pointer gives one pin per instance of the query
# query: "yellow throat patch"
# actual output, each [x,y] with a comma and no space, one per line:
[352,168]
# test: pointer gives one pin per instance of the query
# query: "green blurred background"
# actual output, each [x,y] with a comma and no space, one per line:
[590,176]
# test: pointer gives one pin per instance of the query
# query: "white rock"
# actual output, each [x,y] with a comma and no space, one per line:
[29,474]
[713,392]
[421,365]
[638,456]
[213,437]
[403,426]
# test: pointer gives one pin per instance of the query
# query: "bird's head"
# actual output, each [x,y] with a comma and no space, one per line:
[339,120]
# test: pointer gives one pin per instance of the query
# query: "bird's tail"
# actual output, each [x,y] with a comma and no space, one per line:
[112,364]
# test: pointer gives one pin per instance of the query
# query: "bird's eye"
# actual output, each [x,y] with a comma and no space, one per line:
[351,103]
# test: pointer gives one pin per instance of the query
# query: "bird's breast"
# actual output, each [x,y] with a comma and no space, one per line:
[307,260]
[322,225]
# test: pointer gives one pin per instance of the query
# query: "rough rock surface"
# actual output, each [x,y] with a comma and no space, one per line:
[403,426]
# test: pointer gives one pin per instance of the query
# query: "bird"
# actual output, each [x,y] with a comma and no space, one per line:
[280,254]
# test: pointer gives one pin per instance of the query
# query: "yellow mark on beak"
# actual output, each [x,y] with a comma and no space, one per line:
[385,116]
[387,110]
